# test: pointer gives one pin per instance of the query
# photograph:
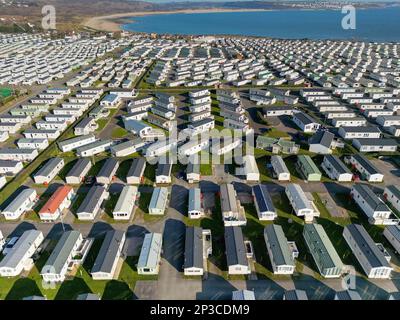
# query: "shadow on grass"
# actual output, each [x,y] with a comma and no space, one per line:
[70,289]
[117,290]
[23,288]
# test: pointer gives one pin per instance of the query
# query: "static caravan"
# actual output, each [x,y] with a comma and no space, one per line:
[232,211]
[392,234]
[78,172]
[336,169]
[322,250]
[392,195]
[375,145]
[280,169]
[236,252]
[150,254]
[163,173]
[241,295]
[263,203]
[107,171]
[18,154]
[250,169]
[91,205]
[10,167]
[365,167]
[49,171]
[278,250]
[58,263]
[195,207]
[372,260]
[38,143]
[75,143]
[301,205]
[127,148]
[158,202]
[193,172]
[19,258]
[194,255]
[308,168]
[94,148]
[59,200]
[372,206]
[106,263]
[22,203]
[126,203]
[305,122]
[359,132]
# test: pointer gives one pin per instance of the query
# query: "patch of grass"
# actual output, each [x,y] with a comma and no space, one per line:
[275,133]
[119,133]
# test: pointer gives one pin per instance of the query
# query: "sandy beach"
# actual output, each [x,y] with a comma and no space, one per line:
[112,23]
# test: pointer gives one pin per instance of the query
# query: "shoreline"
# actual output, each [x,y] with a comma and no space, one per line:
[113,22]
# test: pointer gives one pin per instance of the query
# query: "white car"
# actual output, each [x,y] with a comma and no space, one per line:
[9,245]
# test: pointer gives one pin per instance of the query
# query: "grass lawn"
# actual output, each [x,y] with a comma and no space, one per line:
[206,169]
[275,133]
[119,133]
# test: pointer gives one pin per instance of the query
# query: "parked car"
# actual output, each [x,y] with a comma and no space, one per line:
[9,245]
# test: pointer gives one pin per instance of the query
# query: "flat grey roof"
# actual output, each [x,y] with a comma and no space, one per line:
[194,199]
[370,197]
[368,129]
[84,122]
[92,199]
[193,247]
[376,142]
[234,244]
[228,198]
[108,167]
[49,167]
[322,137]
[13,258]
[278,245]
[75,140]
[164,169]
[279,165]
[79,167]
[8,163]
[109,251]
[17,202]
[339,166]
[367,246]
[263,199]
[321,245]
[365,163]
[137,167]
[304,118]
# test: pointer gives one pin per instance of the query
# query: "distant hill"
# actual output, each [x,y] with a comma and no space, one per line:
[102,7]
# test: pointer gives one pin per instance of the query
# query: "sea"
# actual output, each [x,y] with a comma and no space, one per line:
[371,25]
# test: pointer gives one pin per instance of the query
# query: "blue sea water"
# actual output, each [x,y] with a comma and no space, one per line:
[381,25]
